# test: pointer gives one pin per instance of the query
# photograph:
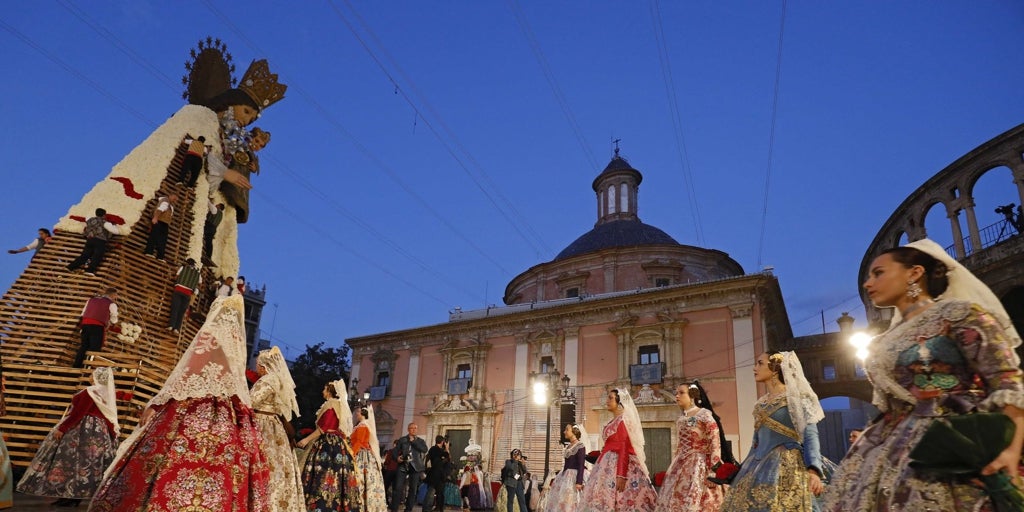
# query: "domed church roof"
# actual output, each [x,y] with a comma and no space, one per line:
[618,233]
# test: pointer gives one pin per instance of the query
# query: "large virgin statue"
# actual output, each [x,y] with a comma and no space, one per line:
[222,115]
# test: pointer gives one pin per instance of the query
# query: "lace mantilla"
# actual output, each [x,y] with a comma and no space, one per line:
[214,364]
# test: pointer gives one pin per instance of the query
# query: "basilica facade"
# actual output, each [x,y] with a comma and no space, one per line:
[624,305]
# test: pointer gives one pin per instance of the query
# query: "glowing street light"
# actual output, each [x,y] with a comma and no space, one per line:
[860,342]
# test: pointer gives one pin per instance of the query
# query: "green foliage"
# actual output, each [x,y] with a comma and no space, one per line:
[314,369]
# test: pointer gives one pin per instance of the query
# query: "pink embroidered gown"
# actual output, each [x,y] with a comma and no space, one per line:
[685,487]
[617,459]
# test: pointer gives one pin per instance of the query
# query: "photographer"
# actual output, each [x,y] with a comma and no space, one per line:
[439,461]
[512,478]
[410,468]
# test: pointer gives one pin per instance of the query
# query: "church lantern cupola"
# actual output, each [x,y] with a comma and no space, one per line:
[616,189]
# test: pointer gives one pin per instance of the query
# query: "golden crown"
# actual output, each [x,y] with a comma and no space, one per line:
[261,85]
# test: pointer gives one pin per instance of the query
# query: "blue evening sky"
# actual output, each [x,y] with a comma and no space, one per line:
[459,150]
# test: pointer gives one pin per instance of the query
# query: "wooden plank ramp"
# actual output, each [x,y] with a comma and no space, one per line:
[40,312]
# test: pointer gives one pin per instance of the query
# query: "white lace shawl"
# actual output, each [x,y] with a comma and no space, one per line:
[635,429]
[371,423]
[214,364]
[103,395]
[802,401]
[965,286]
[273,361]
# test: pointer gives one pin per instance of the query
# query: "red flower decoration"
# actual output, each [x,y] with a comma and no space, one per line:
[129,187]
[659,478]
[116,328]
[111,218]
[724,473]
[125,396]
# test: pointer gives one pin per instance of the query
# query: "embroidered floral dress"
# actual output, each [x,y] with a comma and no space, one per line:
[72,466]
[200,449]
[773,477]
[328,479]
[562,496]
[947,360]
[285,481]
[685,488]
[617,460]
[371,496]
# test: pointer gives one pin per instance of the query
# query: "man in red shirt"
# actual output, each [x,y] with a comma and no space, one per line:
[99,313]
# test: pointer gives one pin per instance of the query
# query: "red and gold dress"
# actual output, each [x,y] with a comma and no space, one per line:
[200,448]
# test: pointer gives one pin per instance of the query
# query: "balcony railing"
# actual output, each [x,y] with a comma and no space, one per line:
[990,235]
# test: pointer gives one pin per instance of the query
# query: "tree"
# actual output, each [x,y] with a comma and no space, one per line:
[312,371]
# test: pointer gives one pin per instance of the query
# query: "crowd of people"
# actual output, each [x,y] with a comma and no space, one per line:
[207,440]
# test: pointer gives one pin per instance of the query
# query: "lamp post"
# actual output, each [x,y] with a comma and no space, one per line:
[860,342]
[542,384]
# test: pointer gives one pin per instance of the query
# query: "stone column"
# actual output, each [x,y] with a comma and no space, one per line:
[1018,176]
[409,408]
[521,384]
[744,355]
[972,225]
[571,355]
[958,235]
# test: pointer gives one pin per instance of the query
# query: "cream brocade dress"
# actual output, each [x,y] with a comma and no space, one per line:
[285,482]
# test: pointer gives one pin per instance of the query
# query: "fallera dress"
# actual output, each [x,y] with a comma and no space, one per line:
[371,496]
[947,360]
[685,488]
[72,466]
[285,481]
[200,449]
[328,478]
[617,459]
[562,496]
[773,477]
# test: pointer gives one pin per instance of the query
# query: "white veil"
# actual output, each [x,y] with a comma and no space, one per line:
[371,422]
[341,409]
[103,395]
[285,403]
[214,364]
[801,400]
[964,285]
[631,418]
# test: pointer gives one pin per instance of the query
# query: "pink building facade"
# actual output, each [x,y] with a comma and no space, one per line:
[624,305]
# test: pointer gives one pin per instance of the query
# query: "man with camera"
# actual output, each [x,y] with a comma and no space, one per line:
[439,461]
[410,468]
[512,478]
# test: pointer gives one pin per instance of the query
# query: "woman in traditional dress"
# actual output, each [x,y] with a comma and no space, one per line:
[70,463]
[620,480]
[367,462]
[686,487]
[782,471]
[197,446]
[563,495]
[949,350]
[273,399]
[328,478]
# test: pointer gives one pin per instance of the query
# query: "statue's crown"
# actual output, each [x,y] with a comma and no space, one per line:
[261,85]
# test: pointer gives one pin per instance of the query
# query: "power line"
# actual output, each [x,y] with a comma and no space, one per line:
[86,80]
[771,137]
[120,45]
[330,236]
[538,241]
[363,149]
[676,116]
[549,75]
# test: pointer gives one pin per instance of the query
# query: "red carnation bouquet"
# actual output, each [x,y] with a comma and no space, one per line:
[725,472]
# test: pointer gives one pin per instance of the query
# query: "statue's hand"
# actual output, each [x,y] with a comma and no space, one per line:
[237,179]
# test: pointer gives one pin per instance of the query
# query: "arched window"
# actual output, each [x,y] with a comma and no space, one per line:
[611,199]
[623,198]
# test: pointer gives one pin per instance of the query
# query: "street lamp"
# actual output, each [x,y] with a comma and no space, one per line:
[543,383]
[860,342]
